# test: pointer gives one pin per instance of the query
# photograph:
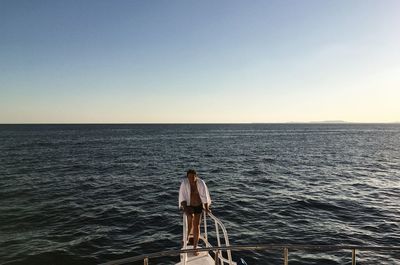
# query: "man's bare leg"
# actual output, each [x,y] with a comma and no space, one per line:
[190,224]
[196,231]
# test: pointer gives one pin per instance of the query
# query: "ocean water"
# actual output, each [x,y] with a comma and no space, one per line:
[86,194]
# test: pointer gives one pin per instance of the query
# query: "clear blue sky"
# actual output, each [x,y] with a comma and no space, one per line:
[199,61]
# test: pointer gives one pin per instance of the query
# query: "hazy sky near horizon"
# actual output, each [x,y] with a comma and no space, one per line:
[199,61]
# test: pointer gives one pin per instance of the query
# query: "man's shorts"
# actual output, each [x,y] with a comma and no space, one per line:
[197,209]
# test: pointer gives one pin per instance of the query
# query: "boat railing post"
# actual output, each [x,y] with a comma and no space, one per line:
[217,257]
[353,256]
[205,226]
[285,256]
[217,233]
[185,237]
[146,261]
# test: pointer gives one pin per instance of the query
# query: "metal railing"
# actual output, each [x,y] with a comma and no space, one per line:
[218,250]
[204,237]
[285,248]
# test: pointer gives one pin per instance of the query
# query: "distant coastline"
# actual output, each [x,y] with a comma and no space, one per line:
[331,121]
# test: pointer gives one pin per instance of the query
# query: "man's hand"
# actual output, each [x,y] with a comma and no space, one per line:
[188,210]
[207,208]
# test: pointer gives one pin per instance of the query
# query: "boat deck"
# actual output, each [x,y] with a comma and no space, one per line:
[203,258]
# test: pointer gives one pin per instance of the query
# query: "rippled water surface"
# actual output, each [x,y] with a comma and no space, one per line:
[85,194]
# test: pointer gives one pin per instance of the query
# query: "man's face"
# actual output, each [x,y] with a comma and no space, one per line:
[192,177]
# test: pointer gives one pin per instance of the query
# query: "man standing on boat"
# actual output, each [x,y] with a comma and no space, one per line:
[193,198]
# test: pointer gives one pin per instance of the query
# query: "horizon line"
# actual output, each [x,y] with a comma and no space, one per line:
[194,123]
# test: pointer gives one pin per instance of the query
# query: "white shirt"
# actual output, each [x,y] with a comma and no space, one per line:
[184,191]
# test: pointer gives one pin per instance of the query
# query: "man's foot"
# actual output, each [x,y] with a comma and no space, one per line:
[196,253]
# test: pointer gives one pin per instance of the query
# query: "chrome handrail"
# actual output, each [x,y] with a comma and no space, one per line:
[218,224]
[285,248]
[185,237]
[226,238]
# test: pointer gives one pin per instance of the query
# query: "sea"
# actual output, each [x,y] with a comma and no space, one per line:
[91,193]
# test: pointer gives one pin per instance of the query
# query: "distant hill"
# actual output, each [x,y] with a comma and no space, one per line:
[330,121]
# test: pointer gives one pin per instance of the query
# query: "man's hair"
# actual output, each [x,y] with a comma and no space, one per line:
[191,171]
